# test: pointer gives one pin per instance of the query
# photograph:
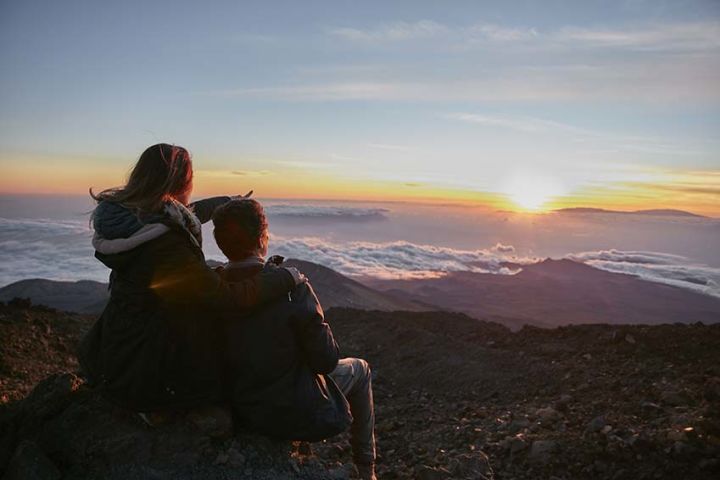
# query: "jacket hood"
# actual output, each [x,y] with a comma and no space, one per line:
[118,229]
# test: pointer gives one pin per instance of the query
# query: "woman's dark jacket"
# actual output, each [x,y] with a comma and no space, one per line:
[156,344]
[277,354]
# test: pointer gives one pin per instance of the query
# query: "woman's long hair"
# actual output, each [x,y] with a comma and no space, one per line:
[161,173]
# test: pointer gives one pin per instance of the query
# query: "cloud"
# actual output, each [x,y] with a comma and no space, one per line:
[672,62]
[519,123]
[658,267]
[58,250]
[500,248]
[252,173]
[694,36]
[398,31]
[668,37]
[392,148]
[395,259]
[533,125]
[428,29]
[326,212]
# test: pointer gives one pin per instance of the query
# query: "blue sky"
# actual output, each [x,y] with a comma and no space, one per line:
[479,96]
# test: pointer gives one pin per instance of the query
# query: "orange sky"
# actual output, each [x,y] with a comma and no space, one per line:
[697,192]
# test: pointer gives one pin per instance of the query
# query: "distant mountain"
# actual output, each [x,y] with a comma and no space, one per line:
[332,288]
[336,290]
[85,296]
[557,292]
[667,212]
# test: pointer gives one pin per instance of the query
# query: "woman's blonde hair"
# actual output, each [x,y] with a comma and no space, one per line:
[161,173]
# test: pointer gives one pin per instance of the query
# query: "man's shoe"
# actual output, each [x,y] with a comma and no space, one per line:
[367,471]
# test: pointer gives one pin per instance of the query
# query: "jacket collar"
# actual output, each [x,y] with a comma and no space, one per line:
[248,262]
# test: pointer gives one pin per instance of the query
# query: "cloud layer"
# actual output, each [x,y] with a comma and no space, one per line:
[656,267]
[61,250]
[325,212]
[57,250]
[396,259]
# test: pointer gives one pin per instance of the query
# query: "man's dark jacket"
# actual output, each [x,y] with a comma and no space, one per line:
[278,355]
[156,344]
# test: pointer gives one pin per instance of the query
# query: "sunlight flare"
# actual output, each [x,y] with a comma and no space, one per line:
[532,192]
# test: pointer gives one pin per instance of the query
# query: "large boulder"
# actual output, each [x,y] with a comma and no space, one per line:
[64,429]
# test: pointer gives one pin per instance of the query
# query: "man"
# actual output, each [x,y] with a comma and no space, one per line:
[285,374]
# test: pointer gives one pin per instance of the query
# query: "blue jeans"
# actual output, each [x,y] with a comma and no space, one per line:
[353,377]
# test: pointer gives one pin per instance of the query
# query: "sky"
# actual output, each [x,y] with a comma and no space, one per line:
[511,105]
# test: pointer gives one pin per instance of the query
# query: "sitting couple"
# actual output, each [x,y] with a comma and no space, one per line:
[176,334]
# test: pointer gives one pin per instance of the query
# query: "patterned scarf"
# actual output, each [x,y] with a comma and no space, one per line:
[182,216]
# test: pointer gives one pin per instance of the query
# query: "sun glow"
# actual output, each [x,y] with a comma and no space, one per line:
[532,192]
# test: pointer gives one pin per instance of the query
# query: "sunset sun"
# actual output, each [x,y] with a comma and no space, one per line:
[532,192]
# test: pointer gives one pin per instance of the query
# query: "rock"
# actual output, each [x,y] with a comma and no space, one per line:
[542,450]
[676,436]
[96,439]
[596,424]
[518,424]
[650,406]
[673,398]
[630,339]
[517,444]
[430,473]
[52,395]
[213,421]
[473,465]
[711,389]
[30,463]
[547,415]
[683,448]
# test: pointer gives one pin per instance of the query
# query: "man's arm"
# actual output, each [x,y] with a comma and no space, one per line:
[316,340]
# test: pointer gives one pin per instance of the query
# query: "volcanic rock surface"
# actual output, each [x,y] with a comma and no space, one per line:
[455,398]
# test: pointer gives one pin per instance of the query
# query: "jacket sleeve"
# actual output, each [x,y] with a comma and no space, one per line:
[205,208]
[315,337]
[182,277]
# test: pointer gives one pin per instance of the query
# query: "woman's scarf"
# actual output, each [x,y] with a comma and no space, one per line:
[181,215]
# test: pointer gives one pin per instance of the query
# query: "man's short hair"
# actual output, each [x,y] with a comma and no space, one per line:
[240,226]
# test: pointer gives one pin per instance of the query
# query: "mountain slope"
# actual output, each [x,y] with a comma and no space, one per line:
[336,290]
[558,292]
[332,288]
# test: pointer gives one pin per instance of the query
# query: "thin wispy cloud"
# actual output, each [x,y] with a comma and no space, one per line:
[390,147]
[323,212]
[696,36]
[636,63]
[518,123]
[532,125]
[690,36]
[252,173]
[398,31]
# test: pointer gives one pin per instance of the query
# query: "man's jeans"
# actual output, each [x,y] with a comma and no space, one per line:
[353,377]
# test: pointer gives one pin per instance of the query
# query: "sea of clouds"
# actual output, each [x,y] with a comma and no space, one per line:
[61,250]
[656,267]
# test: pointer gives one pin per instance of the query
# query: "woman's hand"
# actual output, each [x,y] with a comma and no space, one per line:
[297,275]
[241,197]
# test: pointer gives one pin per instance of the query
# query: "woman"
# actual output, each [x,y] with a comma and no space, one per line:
[155,345]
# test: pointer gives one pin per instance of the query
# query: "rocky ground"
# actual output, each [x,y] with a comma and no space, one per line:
[456,398]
